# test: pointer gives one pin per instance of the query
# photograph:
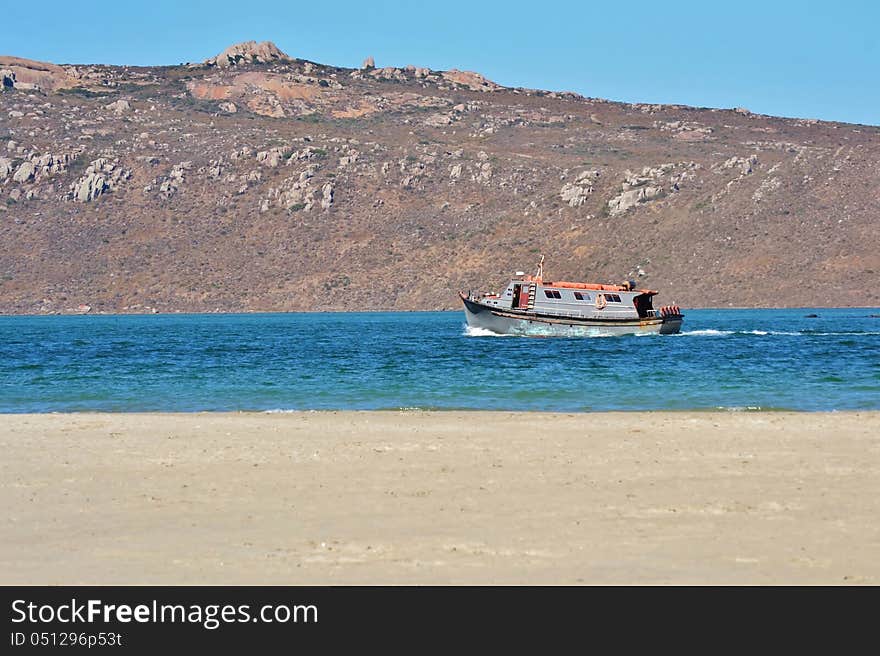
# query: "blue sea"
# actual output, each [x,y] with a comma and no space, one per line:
[758,360]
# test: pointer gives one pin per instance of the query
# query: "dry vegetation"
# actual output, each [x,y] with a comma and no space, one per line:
[288,185]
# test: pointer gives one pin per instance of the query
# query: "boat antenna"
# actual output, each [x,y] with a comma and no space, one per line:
[540,273]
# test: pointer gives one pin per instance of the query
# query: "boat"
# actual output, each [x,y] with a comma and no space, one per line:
[532,306]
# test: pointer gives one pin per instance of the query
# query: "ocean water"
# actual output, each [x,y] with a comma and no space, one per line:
[760,360]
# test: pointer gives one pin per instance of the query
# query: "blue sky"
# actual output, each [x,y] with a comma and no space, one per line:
[803,59]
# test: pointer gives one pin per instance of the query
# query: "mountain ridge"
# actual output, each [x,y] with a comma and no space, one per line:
[267,182]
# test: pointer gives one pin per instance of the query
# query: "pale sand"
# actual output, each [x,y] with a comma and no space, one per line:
[449,497]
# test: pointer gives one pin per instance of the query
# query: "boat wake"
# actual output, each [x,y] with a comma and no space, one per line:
[704,333]
[709,332]
[471,331]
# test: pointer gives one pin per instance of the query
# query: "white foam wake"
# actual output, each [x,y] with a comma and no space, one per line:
[472,331]
[709,332]
[539,331]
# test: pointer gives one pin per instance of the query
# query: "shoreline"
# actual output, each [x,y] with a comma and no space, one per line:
[419,497]
[734,410]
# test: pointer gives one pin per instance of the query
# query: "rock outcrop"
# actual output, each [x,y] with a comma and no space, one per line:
[471,80]
[49,164]
[249,52]
[6,168]
[266,105]
[327,196]
[120,107]
[639,188]
[627,199]
[295,194]
[273,157]
[745,165]
[100,177]
[170,185]
[36,166]
[576,193]
[25,172]
[27,74]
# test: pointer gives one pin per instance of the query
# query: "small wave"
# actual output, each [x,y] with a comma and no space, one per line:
[856,333]
[752,408]
[766,332]
[818,333]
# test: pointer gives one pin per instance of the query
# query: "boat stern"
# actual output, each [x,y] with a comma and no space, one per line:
[672,320]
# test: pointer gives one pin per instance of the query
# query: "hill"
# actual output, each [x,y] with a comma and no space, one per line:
[258,181]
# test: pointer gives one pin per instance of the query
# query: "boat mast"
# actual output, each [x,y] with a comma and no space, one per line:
[539,275]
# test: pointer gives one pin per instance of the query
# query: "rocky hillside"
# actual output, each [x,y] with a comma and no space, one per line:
[257,181]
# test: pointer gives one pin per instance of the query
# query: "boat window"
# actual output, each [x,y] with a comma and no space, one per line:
[582,296]
[552,293]
[612,298]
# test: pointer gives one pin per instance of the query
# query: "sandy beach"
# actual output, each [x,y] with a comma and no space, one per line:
[441,497]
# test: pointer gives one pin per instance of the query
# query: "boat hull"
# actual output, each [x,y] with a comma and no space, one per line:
[531,324]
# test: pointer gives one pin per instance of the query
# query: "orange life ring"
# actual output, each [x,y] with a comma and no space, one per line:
[600,301]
